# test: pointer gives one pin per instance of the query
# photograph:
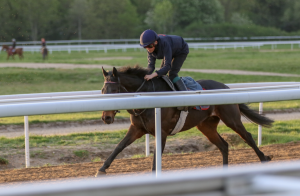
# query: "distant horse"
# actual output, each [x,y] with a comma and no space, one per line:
[44,52]
[128,79]
[9,51]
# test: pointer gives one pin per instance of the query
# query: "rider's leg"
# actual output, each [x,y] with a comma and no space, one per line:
[177,63]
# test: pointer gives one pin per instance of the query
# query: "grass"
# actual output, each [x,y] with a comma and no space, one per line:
[97,159]
[81,153]
[38,154]
[23,81]
[281,132]
[3,161]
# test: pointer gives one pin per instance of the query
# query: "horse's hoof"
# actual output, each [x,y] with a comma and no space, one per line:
[100,174]
[269,158]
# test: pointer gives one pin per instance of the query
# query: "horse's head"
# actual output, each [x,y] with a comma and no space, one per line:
[108,117]
[111,85]
[111,82]
[4,47]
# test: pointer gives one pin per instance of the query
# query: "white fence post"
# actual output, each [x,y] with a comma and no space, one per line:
[260,111]
[158,141]
[27,154]
[147,145]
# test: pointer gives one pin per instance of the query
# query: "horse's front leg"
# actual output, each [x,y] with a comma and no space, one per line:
[163,144]
[132,134]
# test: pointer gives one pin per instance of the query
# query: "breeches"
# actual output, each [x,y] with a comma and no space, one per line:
[176,65]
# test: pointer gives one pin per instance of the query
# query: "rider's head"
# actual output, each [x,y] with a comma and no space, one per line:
[43,39]
[148,40]
[13,40]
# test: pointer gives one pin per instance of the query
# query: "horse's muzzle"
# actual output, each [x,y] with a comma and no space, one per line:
[107,119]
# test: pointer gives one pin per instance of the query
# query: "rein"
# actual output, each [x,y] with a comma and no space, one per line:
[135,113]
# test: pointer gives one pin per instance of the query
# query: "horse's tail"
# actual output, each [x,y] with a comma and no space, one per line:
[255,117]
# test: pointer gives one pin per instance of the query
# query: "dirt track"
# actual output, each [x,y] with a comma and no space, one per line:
[281,152]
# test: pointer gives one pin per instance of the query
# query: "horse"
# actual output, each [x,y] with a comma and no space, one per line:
[44,52]
[9,51]
[131,79]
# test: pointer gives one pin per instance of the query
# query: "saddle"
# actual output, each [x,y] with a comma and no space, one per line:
[185,79]
[169,82]
[10,51]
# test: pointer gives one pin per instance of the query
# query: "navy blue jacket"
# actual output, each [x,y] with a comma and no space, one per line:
[168,47]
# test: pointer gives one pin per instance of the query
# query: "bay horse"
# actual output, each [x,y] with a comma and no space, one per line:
[131,79]
[44,52]
[9,51]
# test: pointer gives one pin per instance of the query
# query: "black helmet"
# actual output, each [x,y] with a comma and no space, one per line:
[148,37]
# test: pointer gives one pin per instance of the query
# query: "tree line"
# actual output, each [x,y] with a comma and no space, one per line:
[113,19]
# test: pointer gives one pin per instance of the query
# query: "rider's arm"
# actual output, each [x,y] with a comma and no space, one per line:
[151,63]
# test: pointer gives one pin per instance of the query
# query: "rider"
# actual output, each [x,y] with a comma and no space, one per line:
[14,44]
[43,43]
[172,49]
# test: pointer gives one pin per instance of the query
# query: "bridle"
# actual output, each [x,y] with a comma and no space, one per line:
[123,87]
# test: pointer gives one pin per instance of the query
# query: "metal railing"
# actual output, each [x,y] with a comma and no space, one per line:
[17,105]
[126,41]
[124,47]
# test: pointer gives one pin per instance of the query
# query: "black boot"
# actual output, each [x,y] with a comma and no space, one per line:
[181,87]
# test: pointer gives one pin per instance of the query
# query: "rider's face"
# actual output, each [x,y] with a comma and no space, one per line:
[151,49]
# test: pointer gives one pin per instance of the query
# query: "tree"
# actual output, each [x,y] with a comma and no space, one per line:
[106,20]
[291,16]
[13,25]
[161,17]
[38,15]
[268,13]
[198,11]
[77,14]
[235,7]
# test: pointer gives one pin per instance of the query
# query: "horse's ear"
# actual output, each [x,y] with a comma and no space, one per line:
[115,72]
[104,72]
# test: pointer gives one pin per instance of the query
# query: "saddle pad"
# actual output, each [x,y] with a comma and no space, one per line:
[191,84]
[180,122]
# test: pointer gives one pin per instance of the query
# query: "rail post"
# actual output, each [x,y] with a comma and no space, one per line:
[158,141]
[147,146]
[260,111]
[26,128]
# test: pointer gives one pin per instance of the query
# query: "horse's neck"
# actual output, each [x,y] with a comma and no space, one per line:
[131,84]
[154,85]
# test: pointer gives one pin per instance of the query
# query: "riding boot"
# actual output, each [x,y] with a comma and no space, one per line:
[181,87]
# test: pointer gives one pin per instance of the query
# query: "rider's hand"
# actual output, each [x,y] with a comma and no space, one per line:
[149,77]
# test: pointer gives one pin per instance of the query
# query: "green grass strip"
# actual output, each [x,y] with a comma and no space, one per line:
[281,132]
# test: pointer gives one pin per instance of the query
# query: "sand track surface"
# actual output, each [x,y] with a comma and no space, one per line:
[178,162]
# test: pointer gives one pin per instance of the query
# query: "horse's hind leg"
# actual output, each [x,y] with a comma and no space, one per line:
[209,129]
[230,115]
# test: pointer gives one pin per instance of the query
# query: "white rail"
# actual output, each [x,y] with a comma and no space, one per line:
[125,47]
[79,95]
[93,41]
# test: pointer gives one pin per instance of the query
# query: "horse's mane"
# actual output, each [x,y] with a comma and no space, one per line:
[133,71]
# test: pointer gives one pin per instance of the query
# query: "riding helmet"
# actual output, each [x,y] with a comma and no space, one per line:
[148,37]
[14,40]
